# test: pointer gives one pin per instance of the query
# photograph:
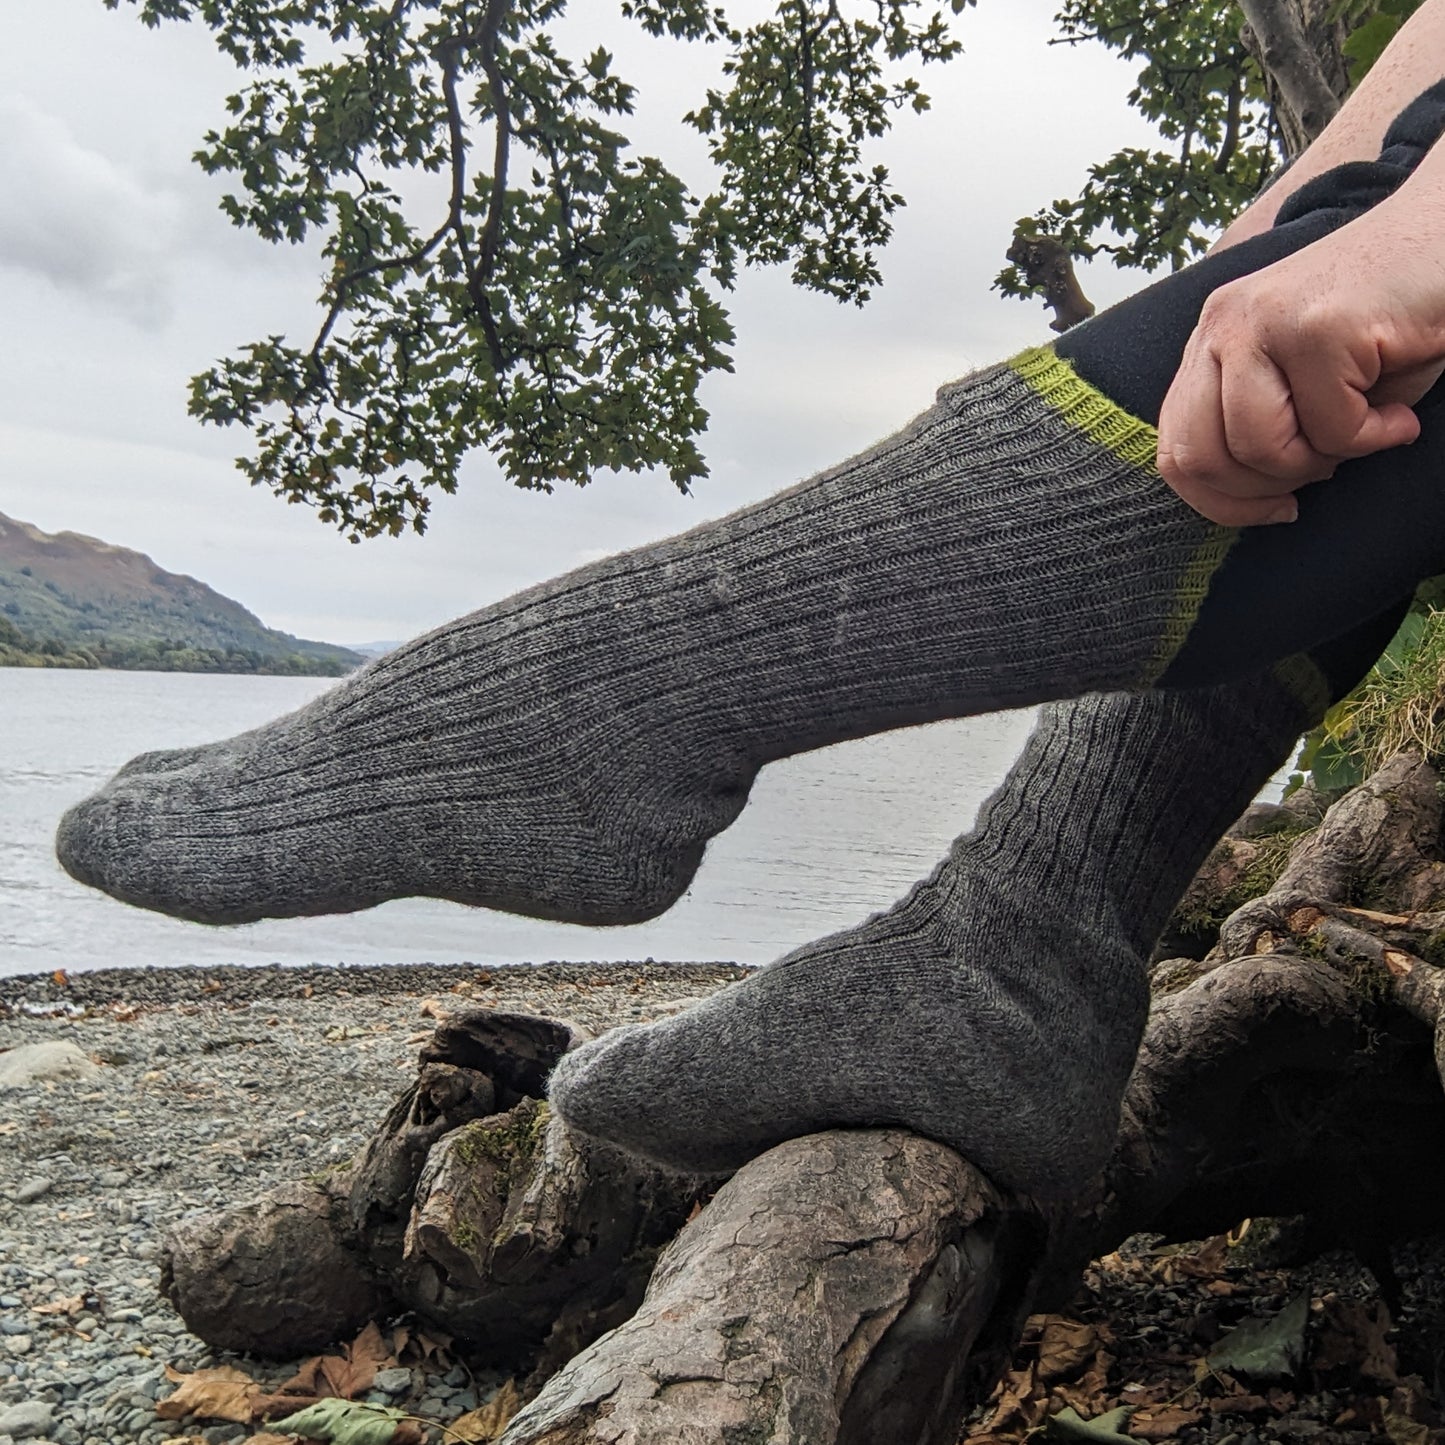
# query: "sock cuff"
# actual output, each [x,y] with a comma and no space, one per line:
[1085,408]
[1305,681]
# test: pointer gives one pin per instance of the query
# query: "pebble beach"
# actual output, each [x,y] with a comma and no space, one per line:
[196,1088]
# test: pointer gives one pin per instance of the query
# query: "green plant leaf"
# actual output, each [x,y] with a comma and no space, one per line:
[1366,44]
[1336,766]
[1270,1349]
[344,1422]
[1068,1424]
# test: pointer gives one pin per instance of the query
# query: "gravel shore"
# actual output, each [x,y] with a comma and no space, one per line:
[212,1085]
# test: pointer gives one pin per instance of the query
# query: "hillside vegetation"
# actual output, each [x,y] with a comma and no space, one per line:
[72,601]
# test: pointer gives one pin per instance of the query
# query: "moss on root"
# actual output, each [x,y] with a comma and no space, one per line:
[1199,919]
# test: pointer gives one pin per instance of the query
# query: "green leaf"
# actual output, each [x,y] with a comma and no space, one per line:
[1068,1424]
[344,1422]
[1270,1349]
[1365,46]
[1336,765]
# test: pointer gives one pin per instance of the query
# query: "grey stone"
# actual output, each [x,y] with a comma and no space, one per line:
[18,1345]
[53,1062]
[113,1179]
[29,1190]
[27,1420]
[393,1381]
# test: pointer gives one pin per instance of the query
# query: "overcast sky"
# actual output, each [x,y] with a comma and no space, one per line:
[119,280]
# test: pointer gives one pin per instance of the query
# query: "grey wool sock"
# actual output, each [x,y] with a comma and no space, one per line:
[568,753]
[999,1005]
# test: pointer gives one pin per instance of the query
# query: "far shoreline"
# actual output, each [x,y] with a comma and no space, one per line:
[62,990]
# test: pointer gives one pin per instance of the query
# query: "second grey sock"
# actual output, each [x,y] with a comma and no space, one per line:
[998,1006]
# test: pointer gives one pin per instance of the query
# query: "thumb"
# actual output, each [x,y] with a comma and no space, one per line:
[1392,424]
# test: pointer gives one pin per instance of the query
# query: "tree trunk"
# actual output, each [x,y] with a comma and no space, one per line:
[1298,45]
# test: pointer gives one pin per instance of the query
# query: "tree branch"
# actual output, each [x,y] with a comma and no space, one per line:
[1292,62]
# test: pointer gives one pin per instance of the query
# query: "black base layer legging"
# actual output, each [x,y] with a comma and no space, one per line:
[1366,538]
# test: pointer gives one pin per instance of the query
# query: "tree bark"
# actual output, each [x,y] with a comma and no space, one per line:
[1297,45]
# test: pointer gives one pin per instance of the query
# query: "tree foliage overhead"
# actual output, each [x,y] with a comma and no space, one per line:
[557,301]
[558,305]
[1224,120]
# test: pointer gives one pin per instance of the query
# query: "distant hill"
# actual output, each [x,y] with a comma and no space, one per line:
[73,601]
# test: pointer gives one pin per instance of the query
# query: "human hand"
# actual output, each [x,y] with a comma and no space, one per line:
[1304,364]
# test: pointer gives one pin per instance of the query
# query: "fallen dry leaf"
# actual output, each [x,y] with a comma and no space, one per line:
[1019,1403]
[1353,1333]
[490,1420]
[1408,1417]
[66,1305]
[344,1376]
[223,1393]
[1206,1262]
[266,1437]
[431,1343]
[1064,1345]
[1162,1422]
[434,1008]
[1240,1402]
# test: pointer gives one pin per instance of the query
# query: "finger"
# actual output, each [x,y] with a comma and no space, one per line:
[1230,511]
[1391,425]
[1332,408]
[1194,448]
[1270,449]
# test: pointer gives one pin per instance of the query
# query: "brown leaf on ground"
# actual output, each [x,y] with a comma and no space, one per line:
[431,1344]
[1208,1261]
[1162,1422]
[489,1420]
[1065,1345]
[345,1376]
[1240,1402]
[223,1393]
[1019,1404]
[1408,1418]
[66,1305]
[1352,1333]
[1090,1393]
[266,1437]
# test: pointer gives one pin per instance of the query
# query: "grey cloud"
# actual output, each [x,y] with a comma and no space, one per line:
[78,220]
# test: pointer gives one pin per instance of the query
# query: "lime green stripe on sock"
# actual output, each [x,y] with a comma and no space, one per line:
[1193,588]
[1086,408]
[1301,676]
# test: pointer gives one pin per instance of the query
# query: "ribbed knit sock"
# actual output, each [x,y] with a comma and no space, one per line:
[998,1007]
[568,753]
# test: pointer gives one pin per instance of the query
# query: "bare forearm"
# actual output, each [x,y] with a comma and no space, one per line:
[1414,60]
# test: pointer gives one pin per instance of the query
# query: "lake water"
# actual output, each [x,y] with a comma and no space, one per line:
[827,839]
